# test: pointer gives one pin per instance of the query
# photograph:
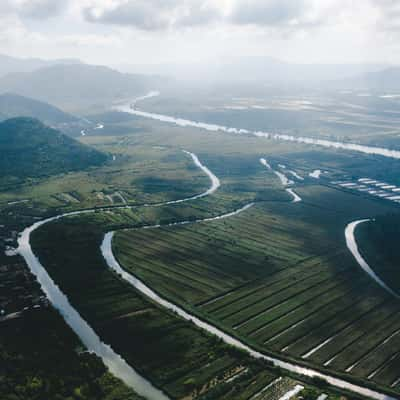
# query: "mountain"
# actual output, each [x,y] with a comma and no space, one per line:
[13,105]
[385,81]
[262,69]
[12,64]
[28,148]
[78,86]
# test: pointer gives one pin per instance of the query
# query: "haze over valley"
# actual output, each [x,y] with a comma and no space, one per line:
[199,200]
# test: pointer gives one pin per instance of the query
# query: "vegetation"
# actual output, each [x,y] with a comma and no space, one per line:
[172,353]
[52,364]
[277,276]
[280,278]
[12,106]
[31,149]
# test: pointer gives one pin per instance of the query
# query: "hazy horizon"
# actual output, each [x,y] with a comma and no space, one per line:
[186,32]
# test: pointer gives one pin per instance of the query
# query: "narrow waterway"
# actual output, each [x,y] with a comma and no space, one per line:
[353,247]
[115,363]
[284,180]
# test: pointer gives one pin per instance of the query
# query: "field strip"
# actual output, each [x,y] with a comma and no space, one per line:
[256,294]
[169,272]
[308,317]
[237,375]
[221,296]
[296,308]
[353,247]
[282,137]
[297,389]
[373,373]
[331,323]
[266,388]
[149,244]
[280,291]
[106,249]
[372,350]
[346,325]
[395,383]
[253,286]
[285,302]
[389,328]
[355,331]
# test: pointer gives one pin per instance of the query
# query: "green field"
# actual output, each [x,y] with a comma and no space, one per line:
[278,275]
[175,355]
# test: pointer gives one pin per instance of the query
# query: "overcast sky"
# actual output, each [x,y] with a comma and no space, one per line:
[164,31]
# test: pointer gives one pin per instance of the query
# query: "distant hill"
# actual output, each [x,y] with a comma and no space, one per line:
[259,69]
[13,105]
[28,148]
[78,86]
[12,64]
[387,80]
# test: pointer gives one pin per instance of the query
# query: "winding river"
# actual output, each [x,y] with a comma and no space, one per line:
[116,364]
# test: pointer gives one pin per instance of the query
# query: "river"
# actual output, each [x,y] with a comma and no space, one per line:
[127,108]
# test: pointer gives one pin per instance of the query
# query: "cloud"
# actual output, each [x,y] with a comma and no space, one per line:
[158,15]
[36,9]
[267,12]
[153,14]
[388,15]
[142,14]
[42,9]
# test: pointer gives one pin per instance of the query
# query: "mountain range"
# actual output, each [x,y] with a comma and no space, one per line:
[10,64]
[77,87]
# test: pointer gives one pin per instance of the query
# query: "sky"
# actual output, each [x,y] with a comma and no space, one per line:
[116,32]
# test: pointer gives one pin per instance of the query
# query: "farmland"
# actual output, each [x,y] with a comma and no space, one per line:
[278,275]
[177,357]
[281,278]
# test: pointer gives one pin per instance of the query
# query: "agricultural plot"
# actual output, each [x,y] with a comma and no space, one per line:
[177,357]
[373,188]
[273,275]
[280,278]
[141,175]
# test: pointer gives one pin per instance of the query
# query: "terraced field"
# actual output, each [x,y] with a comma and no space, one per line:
[281,278]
